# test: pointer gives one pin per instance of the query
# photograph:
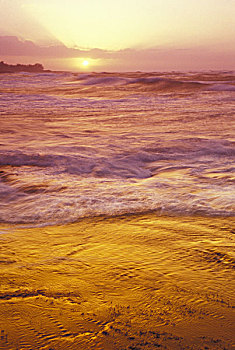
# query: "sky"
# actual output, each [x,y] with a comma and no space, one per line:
[123,35]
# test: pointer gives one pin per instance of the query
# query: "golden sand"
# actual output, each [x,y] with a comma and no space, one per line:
[131,282]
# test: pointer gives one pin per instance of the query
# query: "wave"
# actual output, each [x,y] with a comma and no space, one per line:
[68,83]
[184,178]
[159,82]
[137,81]
[103,81]
[222,87]
[167,84]
[125,163]
[92,199]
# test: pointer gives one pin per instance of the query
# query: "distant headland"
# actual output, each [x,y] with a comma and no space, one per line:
[13,68]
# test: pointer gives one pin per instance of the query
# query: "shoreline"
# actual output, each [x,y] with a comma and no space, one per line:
[154,213]
[126,282]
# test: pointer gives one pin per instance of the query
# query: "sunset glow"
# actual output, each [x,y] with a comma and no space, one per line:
[146,35]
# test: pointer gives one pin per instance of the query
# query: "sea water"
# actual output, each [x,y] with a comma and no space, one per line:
[76,145]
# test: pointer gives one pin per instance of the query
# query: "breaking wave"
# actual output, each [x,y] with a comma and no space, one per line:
[155,83]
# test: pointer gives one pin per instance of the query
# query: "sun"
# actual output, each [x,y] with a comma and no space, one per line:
[85,63]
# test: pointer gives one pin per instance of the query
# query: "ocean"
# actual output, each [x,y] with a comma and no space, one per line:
[82,145]
[117,203]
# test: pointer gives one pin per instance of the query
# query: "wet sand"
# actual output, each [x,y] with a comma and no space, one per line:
[130,282]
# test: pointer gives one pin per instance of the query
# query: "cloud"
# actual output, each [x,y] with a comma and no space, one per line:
[12,46]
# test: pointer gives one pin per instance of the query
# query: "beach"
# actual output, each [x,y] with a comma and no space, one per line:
[125,282]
